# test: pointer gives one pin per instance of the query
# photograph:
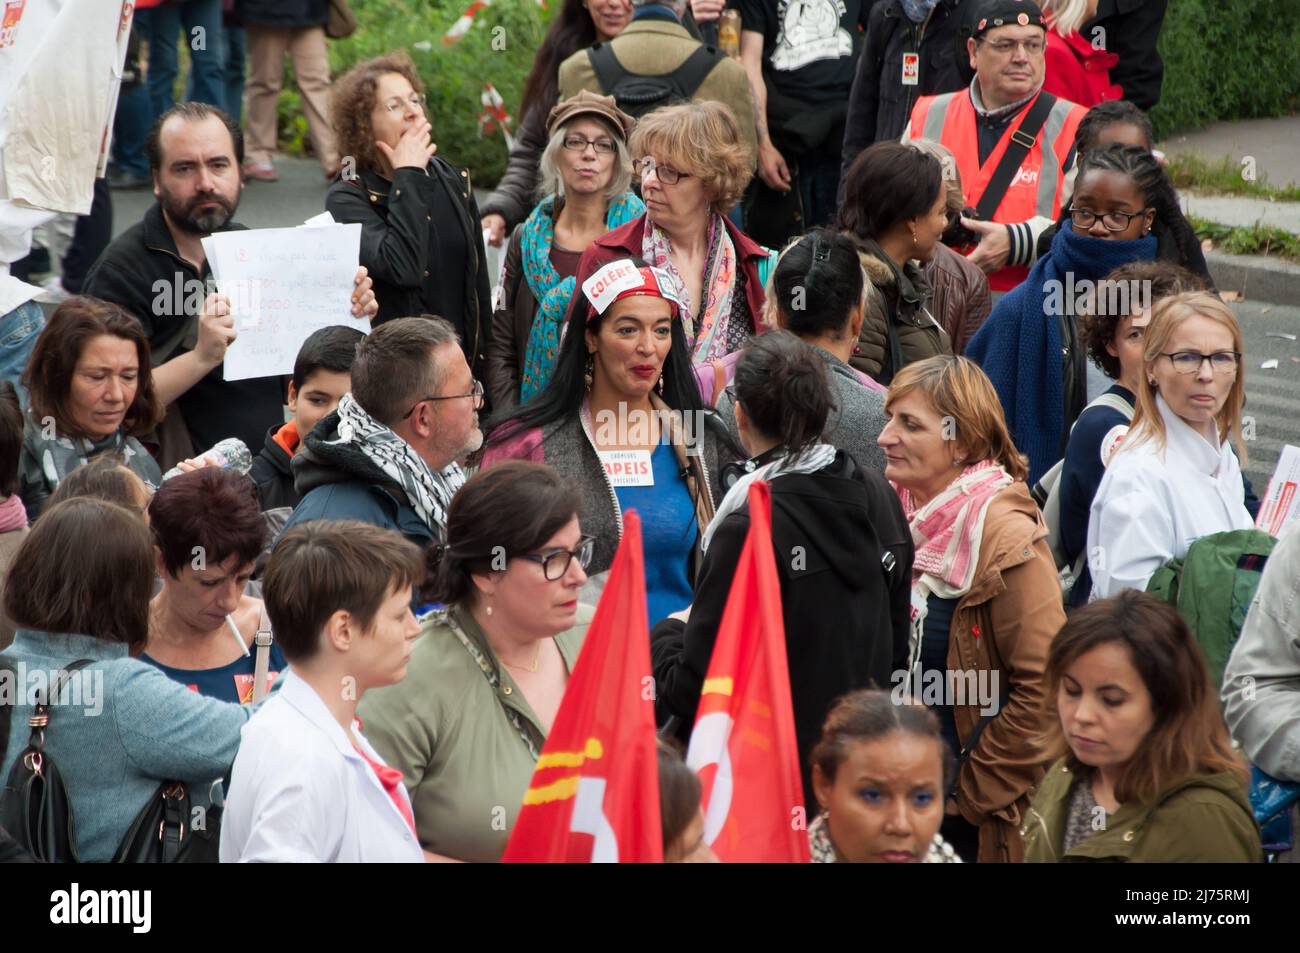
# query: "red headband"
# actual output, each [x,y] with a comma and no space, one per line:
[623,279]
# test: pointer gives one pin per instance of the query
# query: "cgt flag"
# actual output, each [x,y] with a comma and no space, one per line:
[744,742]
[594,796]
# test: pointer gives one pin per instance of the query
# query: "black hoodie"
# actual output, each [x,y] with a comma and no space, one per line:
[846,615]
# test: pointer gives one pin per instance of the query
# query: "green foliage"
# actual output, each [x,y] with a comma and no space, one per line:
[498,49]
[1227,60]
[1248,240]
[1193,173]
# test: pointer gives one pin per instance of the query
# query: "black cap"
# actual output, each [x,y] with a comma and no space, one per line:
[997,13]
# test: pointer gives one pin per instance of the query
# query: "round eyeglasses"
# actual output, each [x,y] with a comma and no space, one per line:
[556,563]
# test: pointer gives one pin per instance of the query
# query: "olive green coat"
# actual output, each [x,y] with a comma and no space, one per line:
[1204,818]
[446,728]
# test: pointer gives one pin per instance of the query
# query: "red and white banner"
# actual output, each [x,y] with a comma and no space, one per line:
[743,746]
[594,796]
[494,115]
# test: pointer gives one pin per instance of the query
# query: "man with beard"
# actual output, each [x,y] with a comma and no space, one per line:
[158,271]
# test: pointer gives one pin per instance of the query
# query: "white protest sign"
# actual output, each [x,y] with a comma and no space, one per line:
[283,285]
[1278,508]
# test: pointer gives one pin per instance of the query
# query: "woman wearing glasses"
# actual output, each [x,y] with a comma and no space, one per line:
[585,176]
[1031,347]
[420,235]
[487,675]
[693,168]
[1175,477]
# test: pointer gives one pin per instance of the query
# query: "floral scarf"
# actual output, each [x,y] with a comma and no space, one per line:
[708,341]
[550,291]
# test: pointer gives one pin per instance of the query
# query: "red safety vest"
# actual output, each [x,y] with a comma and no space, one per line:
[1035,189]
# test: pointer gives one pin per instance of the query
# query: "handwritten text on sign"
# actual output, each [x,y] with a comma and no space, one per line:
[283,285]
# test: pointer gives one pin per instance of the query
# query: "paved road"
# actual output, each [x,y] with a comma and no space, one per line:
[1270,142]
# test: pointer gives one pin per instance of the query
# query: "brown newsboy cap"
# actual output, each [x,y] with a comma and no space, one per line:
[587,103]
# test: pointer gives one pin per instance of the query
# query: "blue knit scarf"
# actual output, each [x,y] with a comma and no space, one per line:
[1019,346]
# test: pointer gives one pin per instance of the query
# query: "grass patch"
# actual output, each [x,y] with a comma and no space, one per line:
[1248,240]
[1225,177]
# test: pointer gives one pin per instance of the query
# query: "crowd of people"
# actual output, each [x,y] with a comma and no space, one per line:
[845,263]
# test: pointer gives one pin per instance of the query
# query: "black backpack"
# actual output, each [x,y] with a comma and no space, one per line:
[639,93]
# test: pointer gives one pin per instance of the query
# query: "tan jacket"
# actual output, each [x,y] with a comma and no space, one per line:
[1005,624]
[655,47]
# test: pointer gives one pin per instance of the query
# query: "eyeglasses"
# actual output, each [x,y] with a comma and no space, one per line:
[1111,221]
[1189,362]
[666,174]
[556,564]
[476,393]
[397,104]
[1032,46]
[576,143]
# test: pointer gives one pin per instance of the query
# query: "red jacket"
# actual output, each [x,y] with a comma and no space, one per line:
[626,242]
[1078,72]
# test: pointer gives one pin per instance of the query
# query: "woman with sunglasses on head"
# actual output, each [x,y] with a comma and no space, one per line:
[1175,477]
[1031,346]
[622,420]
[693,168]
[586,174]
[421,240]
[487,675]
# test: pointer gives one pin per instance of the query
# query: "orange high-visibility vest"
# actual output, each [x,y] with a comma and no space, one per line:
[1035,189]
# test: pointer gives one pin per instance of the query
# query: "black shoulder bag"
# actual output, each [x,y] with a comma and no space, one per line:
[1023,138]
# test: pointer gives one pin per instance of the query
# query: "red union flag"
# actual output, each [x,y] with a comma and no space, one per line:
[743,746]
[594,796]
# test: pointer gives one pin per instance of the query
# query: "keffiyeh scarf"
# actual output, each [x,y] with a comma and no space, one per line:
[429,493]
[709,340]
[550,291]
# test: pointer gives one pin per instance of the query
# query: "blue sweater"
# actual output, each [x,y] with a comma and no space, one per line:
[1019,346]
[133,729]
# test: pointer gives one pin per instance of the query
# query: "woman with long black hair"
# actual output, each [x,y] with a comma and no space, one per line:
[621,418]
[580,24]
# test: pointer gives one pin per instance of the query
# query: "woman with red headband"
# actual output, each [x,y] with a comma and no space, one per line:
[622,419]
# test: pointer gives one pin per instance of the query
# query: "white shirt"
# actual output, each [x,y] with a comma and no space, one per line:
[1153,503]
[300,792]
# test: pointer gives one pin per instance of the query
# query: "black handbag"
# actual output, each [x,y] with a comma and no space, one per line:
[162,833]
[34,807]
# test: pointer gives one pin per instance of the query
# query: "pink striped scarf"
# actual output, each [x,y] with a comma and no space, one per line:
[947,531]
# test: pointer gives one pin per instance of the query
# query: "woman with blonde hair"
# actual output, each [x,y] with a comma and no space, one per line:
[1145,769]
[986,600]
[693,167]
[1175,478]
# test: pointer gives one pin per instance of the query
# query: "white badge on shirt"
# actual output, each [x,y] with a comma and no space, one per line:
[628,467]
[911,69]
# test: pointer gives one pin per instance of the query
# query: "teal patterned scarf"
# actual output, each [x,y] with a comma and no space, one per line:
[550,291]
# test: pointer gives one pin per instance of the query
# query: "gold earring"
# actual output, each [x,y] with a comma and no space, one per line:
[588,374]
[488,608]
[660,386]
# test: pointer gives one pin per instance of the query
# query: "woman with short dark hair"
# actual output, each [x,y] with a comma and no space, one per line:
[896,208]
[846,624]
[90,378]
[74,601]
[205,630]
[13,516]
[1145,769]
[486,677]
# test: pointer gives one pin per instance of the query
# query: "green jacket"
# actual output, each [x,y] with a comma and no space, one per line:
[446,728]
[1204,818]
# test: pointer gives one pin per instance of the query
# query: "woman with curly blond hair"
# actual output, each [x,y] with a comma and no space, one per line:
[693,167]
[420,236]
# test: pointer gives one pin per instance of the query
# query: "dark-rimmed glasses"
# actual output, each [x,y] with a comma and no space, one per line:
[576,143]
[666,173]
[556,562]
[476,393]
[1111,221]
[1189,362]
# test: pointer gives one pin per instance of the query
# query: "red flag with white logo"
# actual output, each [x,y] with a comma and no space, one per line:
[743,745]
[594,796]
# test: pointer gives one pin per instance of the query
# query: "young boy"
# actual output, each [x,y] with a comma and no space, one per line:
[306,786]
[322,374]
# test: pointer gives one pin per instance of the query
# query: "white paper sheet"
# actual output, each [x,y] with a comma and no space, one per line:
[283,284]
[1278,508]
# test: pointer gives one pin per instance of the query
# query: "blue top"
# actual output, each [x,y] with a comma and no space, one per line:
[229,683]
[120,729]
[668,531]
[1081,474]
[935,632]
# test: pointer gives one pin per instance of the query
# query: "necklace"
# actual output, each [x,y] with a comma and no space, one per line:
[528,668]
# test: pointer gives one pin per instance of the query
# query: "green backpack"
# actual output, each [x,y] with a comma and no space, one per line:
[1213,587]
